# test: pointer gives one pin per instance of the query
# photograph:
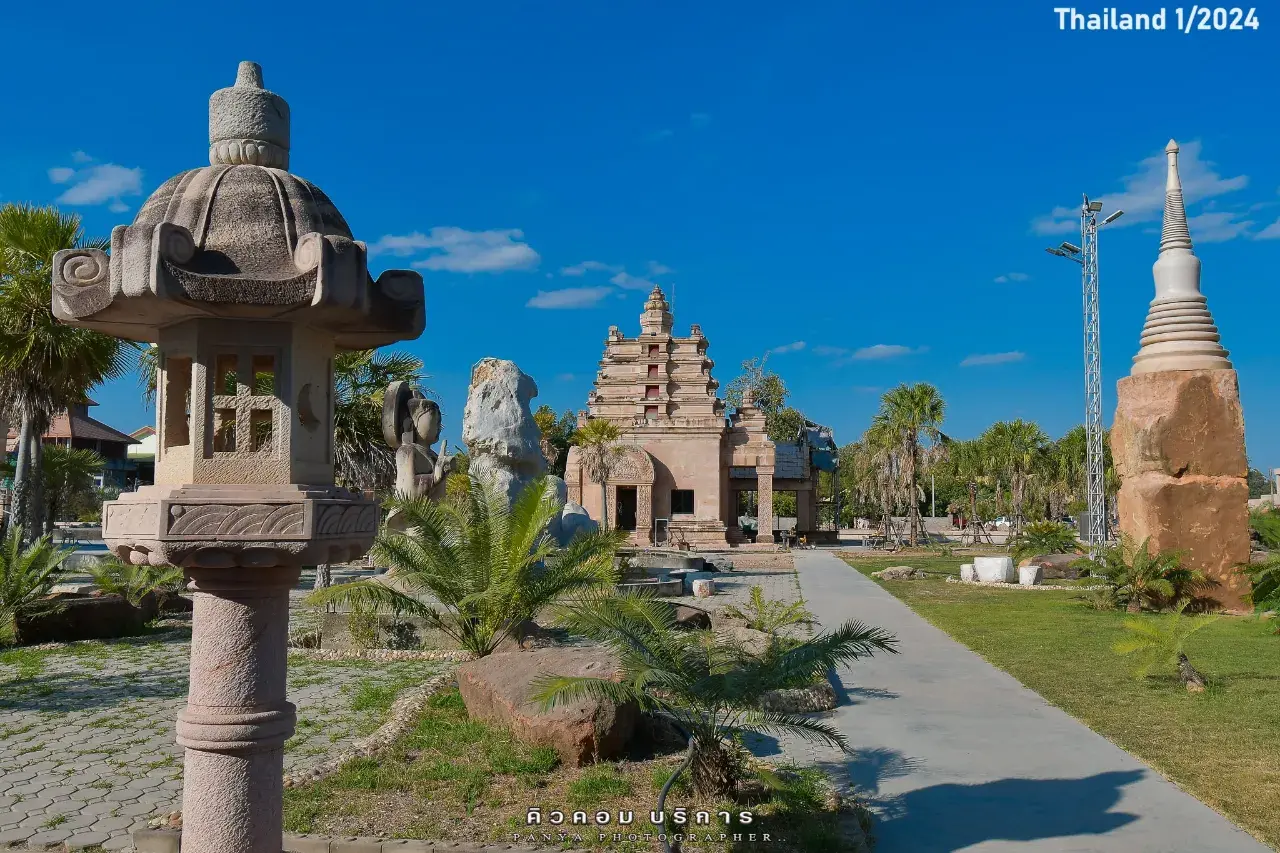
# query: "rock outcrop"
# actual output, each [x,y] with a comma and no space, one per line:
[497,689]
[898,573]
[1055,566]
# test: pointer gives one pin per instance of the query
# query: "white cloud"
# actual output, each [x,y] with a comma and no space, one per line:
[879,351]
[459,250]
[569,297]
[1143,197]
[824,350]
[80,157]
[699,119]
[589,266]
[627,281]
[656,268]
[93,185]
[992,358]
[1271,232]
[794,346]
[1218,226]
[1012,276]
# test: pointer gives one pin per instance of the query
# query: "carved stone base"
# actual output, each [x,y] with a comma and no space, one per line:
[221,527]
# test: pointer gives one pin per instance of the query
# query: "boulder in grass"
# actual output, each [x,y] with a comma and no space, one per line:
[967,572]
[498,689]
[995,569]
[692,618]
[1055,566]
[898,573]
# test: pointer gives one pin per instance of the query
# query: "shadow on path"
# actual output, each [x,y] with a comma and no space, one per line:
[950,817]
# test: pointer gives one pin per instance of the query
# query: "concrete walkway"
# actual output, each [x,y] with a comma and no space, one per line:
[957,755]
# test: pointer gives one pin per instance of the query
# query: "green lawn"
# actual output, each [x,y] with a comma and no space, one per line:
[1223,745]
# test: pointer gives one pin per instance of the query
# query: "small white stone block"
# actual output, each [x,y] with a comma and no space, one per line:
[967,573]
[704,588]
[995,569]
[1030,575]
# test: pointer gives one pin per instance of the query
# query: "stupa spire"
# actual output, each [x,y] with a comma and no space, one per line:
[1179,333]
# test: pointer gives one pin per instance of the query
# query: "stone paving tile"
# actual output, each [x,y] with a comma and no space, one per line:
[87,749]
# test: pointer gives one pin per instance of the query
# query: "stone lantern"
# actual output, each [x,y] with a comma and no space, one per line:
[248,280]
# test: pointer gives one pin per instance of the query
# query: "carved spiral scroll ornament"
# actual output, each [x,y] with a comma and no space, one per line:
[84,268]
[309,252]
[175,243]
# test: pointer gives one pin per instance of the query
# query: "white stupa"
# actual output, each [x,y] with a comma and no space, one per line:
[1179,333]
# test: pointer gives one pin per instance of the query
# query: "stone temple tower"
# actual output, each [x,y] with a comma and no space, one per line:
[247,279]
[1178,437]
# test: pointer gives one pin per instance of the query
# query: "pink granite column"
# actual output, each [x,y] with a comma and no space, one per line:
[237,718]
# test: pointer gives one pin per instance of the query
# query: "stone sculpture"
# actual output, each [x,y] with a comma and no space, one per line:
[247,279]
[1178,437]
[505,444]
[502,438]
[411,426]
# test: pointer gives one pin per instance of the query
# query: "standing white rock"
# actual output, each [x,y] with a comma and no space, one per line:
[502,438]
[704,588]
[1030,575]
[995,569]
[967,573]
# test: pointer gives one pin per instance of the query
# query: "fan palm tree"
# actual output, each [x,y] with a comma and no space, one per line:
[908,423]
[26,576]
[491,567]
[597,441]
[1014,449]
[68,473]
[45,366]
[709,685]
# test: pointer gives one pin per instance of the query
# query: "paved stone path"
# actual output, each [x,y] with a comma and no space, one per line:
[87,750]
[957,755]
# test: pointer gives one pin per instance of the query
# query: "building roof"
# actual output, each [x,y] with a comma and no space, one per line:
[71,425]
[143,432]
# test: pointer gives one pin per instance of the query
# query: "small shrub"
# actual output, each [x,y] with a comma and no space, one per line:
[134,583]
[1140,578]
[1159,642]
[1265,524]
[362,626]
[1044,537]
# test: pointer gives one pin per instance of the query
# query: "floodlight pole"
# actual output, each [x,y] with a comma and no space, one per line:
[1096,534]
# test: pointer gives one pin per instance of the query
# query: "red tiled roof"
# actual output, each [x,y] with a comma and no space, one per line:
[69,426]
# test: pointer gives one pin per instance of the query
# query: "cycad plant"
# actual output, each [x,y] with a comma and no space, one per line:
[477,570]
[769,615]
[1161,641]
[1265,578]
[26,576]
[1044,537]
[116,577]
[707,684]
[1143,579]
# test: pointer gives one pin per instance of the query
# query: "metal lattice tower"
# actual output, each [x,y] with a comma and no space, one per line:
[1094,468]
[1086,255]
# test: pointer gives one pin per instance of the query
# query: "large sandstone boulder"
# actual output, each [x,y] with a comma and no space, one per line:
[496,689]
[502,439]
[1178,445]
[67,617]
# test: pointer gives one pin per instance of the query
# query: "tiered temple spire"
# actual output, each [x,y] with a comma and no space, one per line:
[1179,333]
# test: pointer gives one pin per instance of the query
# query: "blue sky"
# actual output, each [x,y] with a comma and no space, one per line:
[865,189]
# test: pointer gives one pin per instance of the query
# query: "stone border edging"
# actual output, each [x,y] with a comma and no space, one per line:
[454,655]
[169,841]
[998,585]
[399,719]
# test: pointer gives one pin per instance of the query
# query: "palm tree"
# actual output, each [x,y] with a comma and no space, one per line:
[1161,642]
[45,366]
[1140,577]
[908,423]
[68,473]
[26,576]
[1044,537]
[1014,449]
[597,441]
[708,685]
[490,566]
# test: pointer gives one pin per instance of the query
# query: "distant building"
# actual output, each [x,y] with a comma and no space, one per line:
[688,471]
[75,428]
[143,454]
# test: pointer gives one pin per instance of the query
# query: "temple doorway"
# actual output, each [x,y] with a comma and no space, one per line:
[627,507]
